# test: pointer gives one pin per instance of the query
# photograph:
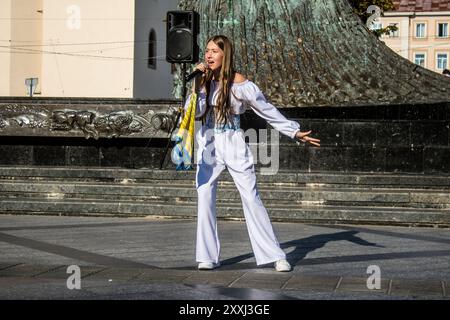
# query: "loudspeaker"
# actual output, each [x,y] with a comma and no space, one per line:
[181,38]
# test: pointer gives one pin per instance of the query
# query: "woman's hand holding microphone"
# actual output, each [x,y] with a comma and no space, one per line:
[202,67]
[198,72]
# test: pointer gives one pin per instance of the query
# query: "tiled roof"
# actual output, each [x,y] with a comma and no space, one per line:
[421,5]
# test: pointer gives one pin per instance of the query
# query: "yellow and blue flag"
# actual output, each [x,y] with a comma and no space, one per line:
[182,153]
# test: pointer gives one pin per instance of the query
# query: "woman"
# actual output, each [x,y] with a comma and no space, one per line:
[222,95]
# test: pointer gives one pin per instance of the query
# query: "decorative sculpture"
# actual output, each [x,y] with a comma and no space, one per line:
[315,53]
[20,120]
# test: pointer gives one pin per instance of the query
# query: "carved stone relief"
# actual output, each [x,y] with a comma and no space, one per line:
[90,123]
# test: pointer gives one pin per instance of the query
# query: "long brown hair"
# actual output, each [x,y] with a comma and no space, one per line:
[227,73]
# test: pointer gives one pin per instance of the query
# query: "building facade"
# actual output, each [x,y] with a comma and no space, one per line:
[82,48]
[423,32]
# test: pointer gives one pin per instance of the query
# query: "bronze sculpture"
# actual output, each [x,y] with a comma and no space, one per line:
[316,53]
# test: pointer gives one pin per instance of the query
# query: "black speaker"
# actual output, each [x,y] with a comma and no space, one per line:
[181,41]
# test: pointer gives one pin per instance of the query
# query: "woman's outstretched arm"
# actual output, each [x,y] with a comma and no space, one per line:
[255,98]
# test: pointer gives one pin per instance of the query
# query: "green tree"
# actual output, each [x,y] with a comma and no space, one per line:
[360,8]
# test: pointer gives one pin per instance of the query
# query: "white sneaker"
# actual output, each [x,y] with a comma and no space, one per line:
[282,266]
[208,265]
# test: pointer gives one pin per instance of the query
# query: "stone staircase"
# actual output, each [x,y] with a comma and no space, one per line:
[360,198]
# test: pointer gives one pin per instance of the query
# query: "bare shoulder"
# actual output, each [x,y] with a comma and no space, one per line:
[239,78]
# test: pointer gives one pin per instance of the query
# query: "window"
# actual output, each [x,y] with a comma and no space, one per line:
[442,31]
[420,30]
[393,34]
[152,50]
[419,59]
[441,61]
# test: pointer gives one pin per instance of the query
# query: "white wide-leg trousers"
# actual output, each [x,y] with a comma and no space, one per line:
[229,150]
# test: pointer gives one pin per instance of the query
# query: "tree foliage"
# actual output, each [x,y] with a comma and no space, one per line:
[360,8]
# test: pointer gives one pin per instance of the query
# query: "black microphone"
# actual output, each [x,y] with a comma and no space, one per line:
[195,73]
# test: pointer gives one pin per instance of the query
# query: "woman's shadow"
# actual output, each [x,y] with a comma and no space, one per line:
[301,248]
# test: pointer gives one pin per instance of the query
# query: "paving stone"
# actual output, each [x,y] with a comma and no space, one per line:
[416,288]
[116,274]
[54,272]
[61,272]
[262,280]
[360,285]
[161,275]
[57,273]
[4,266]
[319,283]
[89,271]
[219,278]
[6,283]
[24,270]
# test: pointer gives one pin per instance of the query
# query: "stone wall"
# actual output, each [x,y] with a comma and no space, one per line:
[403,138]
[413,138]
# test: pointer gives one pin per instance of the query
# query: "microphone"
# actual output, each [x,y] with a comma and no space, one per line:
[195,73]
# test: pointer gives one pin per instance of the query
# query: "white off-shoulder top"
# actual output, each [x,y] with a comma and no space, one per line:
[244,94]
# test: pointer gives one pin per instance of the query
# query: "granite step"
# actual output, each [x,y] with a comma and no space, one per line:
[186,209]
[188,177]
[298,196]
[420,198]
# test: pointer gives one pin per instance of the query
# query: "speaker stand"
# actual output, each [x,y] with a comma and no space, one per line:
[180,110]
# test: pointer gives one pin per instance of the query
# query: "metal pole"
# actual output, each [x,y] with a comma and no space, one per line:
[183,101]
